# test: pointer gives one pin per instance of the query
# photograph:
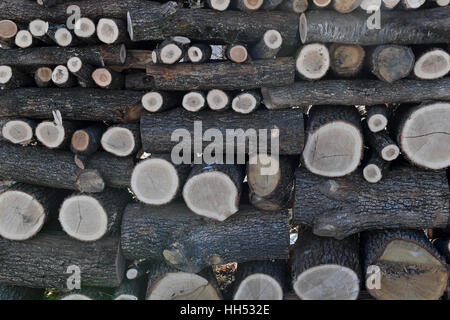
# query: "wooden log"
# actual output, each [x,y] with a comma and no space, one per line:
[261,280]
[296,6]
[24,39]
[220,182]
[106,78]
[412,4]
[289,133]
[236,53]
[48,168]
[82,71]
[325,268]
[88,140]
[432,64]
[18,131]
[136,59]
[346,6]
[382,144]
[62,78]
[54,134]
[194,101]
[43,77]
[116,171]
[46,56]
[122,140]
[42,262]
[199,53]
[156,101]
[176,236]
[442,3]
[85,30]
[157,24]
[131,290]
[402,28]
[170,51]
[377,117]
[219,5]
[38,29]
[422,133]
[12,78]
[158,181]
[391,62]
[312,61]
[370,5]
[403,259]
[63,36]
[247,5]
[354,92]
[346,60]
[87,293]
[94,216]
[334,141]
[268,46]
[271,181]
[218,100]
[24,209]
[246,102]
[111,31]
[375,168]
[390,4]
[20,293]
[218,75]
[139,269]
[443,246]
[407,198]
[74,104]
[321,3]
[8,31]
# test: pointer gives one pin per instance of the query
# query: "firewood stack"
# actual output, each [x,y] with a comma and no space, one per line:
[110,190]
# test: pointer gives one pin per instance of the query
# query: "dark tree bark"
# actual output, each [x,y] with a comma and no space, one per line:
[443,246]
[12,78]
[86,141]
[115,171]
[42,262]
[176,236]
[156,101]
[136,59]
[407,198]
[131,290]
[355,92]
[199,52]
[246,102]
[83,71]
[74,104]
[289,123]
[382,143]
[20,293]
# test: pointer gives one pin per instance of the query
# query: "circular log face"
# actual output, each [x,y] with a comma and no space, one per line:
[155,181]
[392,62]
[211,194]
[83,217]
[126,297]
[118,141]
[259,286]
[74,64]
[414,4]
[346,60]
[193,101]
[409,272]
[219,5]
[322,3]
[372,173]
[217,99]
[63,37]
[76,296]
[182,286]
[390,152]
[425,136]
[152,101]
[84,28]
[80,140]
[38,28]
[262,185]
[252,4]
[333,150]
[17,131]
[244,103]
[327,282]
[50,134]
[238,54]
[432,65]
[170,54]
[195,54]
[8,29]
[107,31]
[60,75]
[6,74]
[273,39]
[21,216]
[313,61]
[24,39]
[377,122]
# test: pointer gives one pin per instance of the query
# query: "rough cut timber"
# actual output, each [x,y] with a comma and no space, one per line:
[409,267]
[18,131]
[170,51]
[24,209]
[38,29]
[247,5]
[423,134]
[271,181]
[8,31]
[74,104]
[237,53]
[83,71]
[168,20]
[51,56]
[194,101]
[370,5]
[92,217]
[214,190]
[54,135]
[399,27]
[24,39]
[218,100]
[407,198]
[355,92]
[391,62]
[432,64]
[346,6]
[116,171]
[48,168]
[382,143]
[122,140]
[86,141]
[26,10]
[261,280]
[62,36]
[43,77]
[20,293]
[156,101]
[12,78]
[375,168]
[111,31]
[43,262]
[131,290]
[215,75]
[62,78]
[157,180]
[268,47]
[377,117]
[199,53]
[172,233]
[287,126]
[85,30]
[297,6]
[219,5]
[325,268]
[106,78]
[334,141]
[346,60]
[312,61]
[246,102]
[136,59]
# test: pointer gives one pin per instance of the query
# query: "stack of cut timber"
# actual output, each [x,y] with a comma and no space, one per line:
[147,145]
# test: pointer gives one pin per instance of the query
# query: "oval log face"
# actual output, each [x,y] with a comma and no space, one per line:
[259,286]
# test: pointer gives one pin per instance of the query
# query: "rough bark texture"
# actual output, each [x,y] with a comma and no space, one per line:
[20,293]
[407,198]
[355,92]
[379,141]
[290,125]
[131,290]
[114,170]
[86,141]
[74,104]
[42,262]
[189,243]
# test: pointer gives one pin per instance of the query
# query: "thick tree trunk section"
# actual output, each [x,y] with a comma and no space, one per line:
[175,236]
[55,135]
[48,168]
[218,100]
[74,104]
[289,123]
[42,262]
[194,101]
[391,62]
[111,31]
[8,31]
[268,46]
[122,140]
[355,92]
[399,27]
[18,131]
[346,60]
[312,61]
[20,293]
[325,268]
[409,267]
[246,102]
[407,198]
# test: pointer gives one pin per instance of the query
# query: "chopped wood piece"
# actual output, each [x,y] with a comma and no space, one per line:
[88,140]
[8,31]
[108,79]
[218,99]
[62,78]
[375,169]
[54,134]
[111,31]
[391,62]
[269,45]
[170,51]
[43,77]
[313,61]
[156,101]
[247,5]
[122,140]
[199,53]
[390,4]
[346,60]
[382,143]
[346,6]
[12,78]
[377,117]
[433,64]
[85,30]
[82,71]
[194,101]
[19,131]
[236,53]
[246,102]
[219,5]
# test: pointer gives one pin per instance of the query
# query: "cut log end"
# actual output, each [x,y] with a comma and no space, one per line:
[84,28]
[132,274]
[126,297]
[83,217]
[432,65]
[259,286]
[346,6]
[76,296]
[182,286]
[413,4]
[17,132]
[50,134]
[390,152]
[107,31]
[21,216]
[60,75]
[219,5]
[193,101]
[118,141]
[244,103]
[80,140]
[392,62]
[170,54]
[38,28]
[217,99]
[313,61]
[372,173]
[102,77]
[63,37]
[74,64]
[8,29]
[238,53]
[377,122]
[24,39]
[6,73]
[321,3]
[252,5]
[327,282]
[346,60]
[200,189]
[89,180]
[273,39]
[152,101]
[371,5]
[195,54]
[263,184]
[155,181]
[43,77]
[390,4]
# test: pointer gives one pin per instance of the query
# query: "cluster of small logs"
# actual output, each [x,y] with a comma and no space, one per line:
[145,143]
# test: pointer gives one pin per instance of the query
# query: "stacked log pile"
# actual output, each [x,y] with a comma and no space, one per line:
[144,144]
